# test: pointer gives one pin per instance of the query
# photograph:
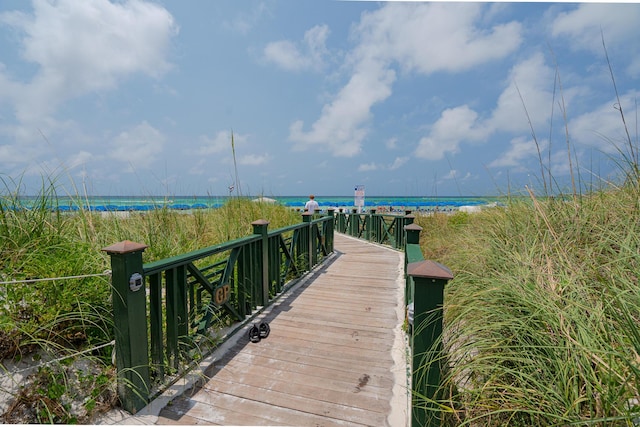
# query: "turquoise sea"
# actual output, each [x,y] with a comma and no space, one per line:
[135,203]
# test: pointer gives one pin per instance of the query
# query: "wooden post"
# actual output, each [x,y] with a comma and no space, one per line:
[260,227]
[429,279]
[130,321]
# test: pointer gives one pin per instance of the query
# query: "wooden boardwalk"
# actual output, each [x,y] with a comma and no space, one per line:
[335,355]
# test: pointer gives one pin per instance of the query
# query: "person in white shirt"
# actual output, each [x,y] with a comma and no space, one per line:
[311,205]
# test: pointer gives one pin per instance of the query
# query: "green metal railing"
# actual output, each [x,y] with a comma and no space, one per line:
[164,311]
[424,292]
[386,229]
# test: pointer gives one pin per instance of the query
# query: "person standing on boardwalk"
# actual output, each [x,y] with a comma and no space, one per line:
[311,205]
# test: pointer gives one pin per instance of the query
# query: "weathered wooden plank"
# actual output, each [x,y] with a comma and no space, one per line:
[328,375]
[328,360]
[311,405]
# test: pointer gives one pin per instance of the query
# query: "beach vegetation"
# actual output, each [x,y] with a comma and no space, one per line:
[55,291]
[542,318]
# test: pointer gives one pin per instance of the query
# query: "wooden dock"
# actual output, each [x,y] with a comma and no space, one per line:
[335,355]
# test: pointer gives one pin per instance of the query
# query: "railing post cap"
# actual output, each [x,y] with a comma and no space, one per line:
[125,247]
[429,270]
[260,222]
[413,227]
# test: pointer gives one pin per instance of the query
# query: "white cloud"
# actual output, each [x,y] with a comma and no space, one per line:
[286,54]
[520,149]
[586,25]
[372,166]
[534,80]
[139,147]
[243,23]
[366,167]
[78,159]
[431,37]
[254,159]
[398,163]
[454,126]
[217,144]
[603,127]
[81,47]
[339,127]
[434,36]
[392,143]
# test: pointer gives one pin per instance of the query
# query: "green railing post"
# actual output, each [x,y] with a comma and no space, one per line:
[130,322]
[307,217]
[354,223]
[413,253]
[369,236]
[329,228]
[429,279]
[400,231]
[341,221]
[260,227]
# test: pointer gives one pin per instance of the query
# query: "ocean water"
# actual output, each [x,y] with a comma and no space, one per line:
[135,203]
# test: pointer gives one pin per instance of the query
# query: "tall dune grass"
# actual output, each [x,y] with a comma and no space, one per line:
[57,318]
[542,319]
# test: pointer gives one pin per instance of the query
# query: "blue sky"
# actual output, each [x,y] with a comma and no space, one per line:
[407,99]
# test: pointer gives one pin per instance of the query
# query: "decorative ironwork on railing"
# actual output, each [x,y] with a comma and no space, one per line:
[164,310]
[386,229]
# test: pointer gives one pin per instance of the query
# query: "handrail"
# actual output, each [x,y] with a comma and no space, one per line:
[386,229]
[164,310]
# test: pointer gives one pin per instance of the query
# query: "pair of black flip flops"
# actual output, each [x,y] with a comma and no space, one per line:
[256,333]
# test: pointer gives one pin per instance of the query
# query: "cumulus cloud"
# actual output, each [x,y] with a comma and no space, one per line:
[530,86]
[138,147]
[520,149]
[80,158]
[243,23]
[586,25]
[454,126]
[338,129]
[254,159]
[603,127]
[287,55]
[432,37]
[216,144]
[398,163]
[366,167]
[81,47]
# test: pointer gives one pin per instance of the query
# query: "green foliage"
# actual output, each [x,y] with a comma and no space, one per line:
[59,317]
[542,318]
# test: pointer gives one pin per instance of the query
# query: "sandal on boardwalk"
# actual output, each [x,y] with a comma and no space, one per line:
[254,334]
[264,329]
